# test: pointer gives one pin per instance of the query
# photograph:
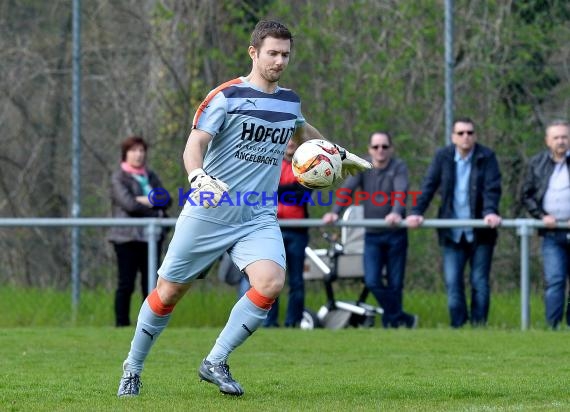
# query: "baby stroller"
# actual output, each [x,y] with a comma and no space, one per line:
[340,260]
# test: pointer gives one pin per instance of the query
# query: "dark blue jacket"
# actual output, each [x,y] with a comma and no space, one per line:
[484,193]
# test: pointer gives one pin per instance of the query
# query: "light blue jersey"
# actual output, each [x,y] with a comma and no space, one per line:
[250,130]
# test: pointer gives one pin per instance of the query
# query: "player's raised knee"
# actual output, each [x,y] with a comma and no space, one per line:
[170,292]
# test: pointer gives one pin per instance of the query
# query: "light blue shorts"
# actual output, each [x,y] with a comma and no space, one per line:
[196,244]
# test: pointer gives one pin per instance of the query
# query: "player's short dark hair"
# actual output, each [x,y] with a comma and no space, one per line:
[129,143]
[269,28]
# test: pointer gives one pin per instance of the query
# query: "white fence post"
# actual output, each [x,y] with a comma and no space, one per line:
[152,237]
[524,230]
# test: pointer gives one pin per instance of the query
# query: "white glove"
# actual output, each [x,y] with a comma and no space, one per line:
[352,164]
[206,190]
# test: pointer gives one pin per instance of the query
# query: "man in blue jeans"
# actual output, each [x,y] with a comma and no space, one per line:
[546,196]
[384,248]
[468,178]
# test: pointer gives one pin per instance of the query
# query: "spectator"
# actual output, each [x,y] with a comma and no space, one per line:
[295,240]
[468,178]
[546,196]
[384,248]
[130,185]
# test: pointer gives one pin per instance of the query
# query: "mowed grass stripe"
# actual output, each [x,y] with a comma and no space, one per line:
[281,370]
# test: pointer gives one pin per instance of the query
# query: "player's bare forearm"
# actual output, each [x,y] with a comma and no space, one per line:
[195,150]
[306,132]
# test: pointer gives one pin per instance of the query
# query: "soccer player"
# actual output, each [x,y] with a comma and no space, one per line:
[239,134]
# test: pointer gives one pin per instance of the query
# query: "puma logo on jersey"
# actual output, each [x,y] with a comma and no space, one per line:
[252,102]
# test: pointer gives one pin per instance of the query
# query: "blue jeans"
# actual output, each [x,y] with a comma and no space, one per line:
[455,258]
[295,243]
[387,250]
[556,264]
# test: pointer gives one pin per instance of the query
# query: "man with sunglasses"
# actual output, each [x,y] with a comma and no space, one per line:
[384,248]
[469,181]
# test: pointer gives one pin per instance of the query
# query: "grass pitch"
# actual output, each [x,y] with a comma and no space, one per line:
[78,369]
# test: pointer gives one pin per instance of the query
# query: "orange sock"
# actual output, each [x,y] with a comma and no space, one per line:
[259,300]
[156,304]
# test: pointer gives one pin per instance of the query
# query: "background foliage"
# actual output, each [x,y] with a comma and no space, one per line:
[359,66]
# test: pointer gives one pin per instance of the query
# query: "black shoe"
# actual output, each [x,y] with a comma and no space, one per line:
[219,374]
[412,322]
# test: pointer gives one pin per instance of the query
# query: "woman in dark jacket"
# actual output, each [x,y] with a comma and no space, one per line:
[130,185]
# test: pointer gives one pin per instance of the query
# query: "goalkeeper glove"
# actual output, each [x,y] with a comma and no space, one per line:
[352,164]
[206,190]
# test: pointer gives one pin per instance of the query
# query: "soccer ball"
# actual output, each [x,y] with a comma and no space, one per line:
[316,164]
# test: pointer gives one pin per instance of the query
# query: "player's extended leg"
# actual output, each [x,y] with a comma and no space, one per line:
[267,279]
[153,318]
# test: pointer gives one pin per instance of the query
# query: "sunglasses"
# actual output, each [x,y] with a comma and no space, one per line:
[467,132]
[378,146]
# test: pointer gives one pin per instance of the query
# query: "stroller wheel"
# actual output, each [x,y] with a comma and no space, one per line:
[309,320]
[362,321]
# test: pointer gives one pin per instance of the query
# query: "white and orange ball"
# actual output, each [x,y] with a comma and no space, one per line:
[317,164]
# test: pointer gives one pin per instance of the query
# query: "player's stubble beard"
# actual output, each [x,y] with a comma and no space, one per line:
[272,76]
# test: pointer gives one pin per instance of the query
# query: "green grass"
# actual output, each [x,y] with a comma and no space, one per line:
[208,304]
[78,369]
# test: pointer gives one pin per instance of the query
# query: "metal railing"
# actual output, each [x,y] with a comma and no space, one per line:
[525,229]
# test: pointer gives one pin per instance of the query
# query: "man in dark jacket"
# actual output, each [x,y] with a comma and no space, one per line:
[546,196]
[384,248]
[468,178]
